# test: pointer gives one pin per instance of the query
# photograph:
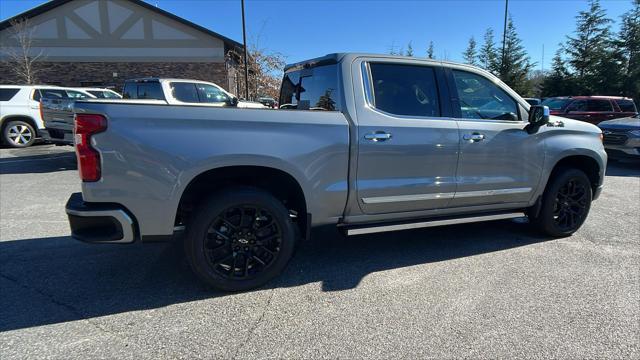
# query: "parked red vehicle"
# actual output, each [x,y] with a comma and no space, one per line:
[592,109]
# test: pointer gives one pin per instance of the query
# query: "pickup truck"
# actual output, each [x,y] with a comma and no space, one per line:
[369,143]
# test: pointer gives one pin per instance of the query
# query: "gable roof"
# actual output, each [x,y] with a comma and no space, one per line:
[41,9]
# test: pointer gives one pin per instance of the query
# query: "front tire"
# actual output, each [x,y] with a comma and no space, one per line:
[565,203]
[239,239]
[18,134]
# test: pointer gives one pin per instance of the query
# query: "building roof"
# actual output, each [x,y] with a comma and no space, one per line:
[41,9]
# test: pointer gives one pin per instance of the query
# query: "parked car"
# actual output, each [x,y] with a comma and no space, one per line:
[268,102]
[592,109]
[102,93]
[20,116]
[394,143]
[533,101]
[622,137]
[181,91]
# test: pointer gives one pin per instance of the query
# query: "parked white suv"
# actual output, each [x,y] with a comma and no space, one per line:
[20,117]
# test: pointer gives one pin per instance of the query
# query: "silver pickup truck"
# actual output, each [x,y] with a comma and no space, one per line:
[368,143]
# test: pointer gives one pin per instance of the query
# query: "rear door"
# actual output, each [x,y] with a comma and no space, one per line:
[600,110]
[407,141]
[499,163]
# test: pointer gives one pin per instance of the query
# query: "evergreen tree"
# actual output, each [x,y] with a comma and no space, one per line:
[589,49]
[488,57]
[409,50]
[559,81]
[515,66]
[470,55]
[431,51]
[629,45]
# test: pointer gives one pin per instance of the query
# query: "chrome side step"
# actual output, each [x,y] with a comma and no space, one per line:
[432,223]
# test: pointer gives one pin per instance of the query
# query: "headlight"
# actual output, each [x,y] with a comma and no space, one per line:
[635,132]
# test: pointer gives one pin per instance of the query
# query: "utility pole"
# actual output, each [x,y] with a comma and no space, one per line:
[504,34]
[542,62]
[246,63]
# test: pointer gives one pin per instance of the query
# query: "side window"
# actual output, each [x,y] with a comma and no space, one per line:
[76,94]
[599,105]
[7,94]
[53,94]
[150,90]
[310,89]
[130,91]
[185,92]
[408,90]
[480,98]
[626,105]
[36,95]
[578,105]
[211,94]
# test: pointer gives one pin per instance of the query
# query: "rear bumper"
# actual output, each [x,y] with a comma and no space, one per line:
[99,222]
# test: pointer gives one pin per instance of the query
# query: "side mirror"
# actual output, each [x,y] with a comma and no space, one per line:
[233,101]
[538,116]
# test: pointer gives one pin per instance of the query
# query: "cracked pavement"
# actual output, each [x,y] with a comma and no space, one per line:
[478,291]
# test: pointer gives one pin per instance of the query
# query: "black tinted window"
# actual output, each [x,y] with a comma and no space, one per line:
[150,90]
[626,105]
[578,105]
[405,89]
[7,94]
[49,94]
[310,89]
[185,92]
[556,103]
[599,105]
[480,98]
[130,91]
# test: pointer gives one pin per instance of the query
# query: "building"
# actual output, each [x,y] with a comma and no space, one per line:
[105,42]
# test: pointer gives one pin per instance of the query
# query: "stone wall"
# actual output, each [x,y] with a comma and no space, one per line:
[101,74]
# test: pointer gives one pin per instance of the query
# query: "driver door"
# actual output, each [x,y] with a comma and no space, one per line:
[499,162]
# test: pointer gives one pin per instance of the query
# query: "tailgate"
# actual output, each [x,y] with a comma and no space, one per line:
[57,113]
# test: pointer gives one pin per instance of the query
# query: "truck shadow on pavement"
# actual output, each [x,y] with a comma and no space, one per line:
[54,280]
[43,163]
[623,168]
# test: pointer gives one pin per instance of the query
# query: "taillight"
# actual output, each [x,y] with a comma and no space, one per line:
[87,125]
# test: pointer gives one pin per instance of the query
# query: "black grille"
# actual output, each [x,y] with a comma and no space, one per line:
[613,138]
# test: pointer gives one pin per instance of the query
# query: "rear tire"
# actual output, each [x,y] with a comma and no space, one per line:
[18,134]
[239,239]
[565,203]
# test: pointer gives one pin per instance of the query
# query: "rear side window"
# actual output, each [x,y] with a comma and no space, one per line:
[311,89]
[407,90]
[599,105]
[149,90]
[185,92]
[8,94]
[578,105]
[49,94]
[626,105]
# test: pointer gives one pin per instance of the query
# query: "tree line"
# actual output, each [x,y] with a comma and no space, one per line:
[593,60]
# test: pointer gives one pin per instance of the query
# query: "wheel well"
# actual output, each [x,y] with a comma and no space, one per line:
[581,162]
[277,182]
[26,119]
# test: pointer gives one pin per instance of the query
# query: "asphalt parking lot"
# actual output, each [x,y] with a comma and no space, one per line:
[477,291]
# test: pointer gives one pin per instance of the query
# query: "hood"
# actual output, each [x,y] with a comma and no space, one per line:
[576,125]
[630,123]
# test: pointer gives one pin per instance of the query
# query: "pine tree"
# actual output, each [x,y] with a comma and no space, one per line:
[409,50]
[629,45]
[559,82]
[470,55]
[488,57]
[431,51]
[515,66]
[588,49]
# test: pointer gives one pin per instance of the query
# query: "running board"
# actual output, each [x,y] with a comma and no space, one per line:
[436,222]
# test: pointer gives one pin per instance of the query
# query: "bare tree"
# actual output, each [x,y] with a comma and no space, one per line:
[265,71]
[20,56]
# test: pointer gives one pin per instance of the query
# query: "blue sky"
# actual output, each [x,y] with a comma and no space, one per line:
[304,29]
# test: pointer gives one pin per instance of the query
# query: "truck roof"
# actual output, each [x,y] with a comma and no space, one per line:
[335,58]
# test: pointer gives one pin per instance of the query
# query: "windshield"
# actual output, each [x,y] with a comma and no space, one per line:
[556,103]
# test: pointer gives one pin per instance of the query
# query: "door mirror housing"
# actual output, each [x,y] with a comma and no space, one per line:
[538,116]
[233,101]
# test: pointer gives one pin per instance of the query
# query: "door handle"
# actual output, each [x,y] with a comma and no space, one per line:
[475,137]
[378,136]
